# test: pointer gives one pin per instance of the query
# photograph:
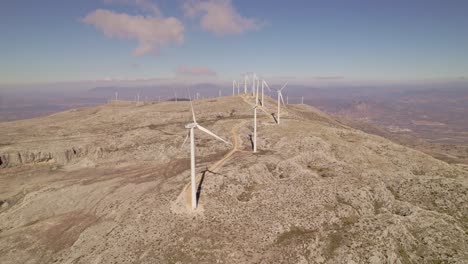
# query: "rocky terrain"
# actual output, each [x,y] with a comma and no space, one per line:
[106,185]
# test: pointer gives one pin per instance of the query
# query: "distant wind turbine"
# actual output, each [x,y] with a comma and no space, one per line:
[255,124]
[254,83]
[246,79]
[280,97]
[264,84]
[191,134]
[175,95]
[234,85]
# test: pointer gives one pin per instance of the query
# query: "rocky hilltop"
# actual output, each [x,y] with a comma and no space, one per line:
[106,185]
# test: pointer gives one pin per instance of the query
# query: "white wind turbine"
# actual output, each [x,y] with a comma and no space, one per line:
[264,84]
[255,124]
[258,87]
[234,85]
[254,83]
[191,134]
[246,79]
[280,97]
[175,95]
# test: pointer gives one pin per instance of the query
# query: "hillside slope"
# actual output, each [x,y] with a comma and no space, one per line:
[103,185]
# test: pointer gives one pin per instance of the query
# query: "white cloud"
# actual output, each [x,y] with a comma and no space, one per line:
[144,5]
[152,32]
[220,17]
[195,71]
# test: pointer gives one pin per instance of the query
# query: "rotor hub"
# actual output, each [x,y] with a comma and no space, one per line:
[191,125]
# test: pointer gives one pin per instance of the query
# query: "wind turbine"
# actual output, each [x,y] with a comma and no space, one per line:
[234,85]
[255,123]
[280,96]
[258,87]
[254,83]
[264,84]
[175,95]
[246,79]
[191,134]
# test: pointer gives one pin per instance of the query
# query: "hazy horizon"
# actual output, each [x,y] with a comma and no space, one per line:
[342,57]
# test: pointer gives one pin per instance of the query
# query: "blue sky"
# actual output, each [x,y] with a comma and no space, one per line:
[52,41]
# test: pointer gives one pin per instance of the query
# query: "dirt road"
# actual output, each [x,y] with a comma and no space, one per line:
[235,147]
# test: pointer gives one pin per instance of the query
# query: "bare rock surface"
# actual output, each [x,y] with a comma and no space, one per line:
[101,185]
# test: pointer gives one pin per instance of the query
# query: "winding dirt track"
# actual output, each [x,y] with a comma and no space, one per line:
[235,143]
[186,192]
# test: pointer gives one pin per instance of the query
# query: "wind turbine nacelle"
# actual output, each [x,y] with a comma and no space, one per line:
[191,125]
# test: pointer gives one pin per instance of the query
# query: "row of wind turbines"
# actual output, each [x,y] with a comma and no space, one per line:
[259,104]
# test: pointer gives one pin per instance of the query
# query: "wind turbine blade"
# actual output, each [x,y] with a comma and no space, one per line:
[283,86]
[211,134]
[281,96]
[191,105]
[185,140]
[193,112]
[266,84]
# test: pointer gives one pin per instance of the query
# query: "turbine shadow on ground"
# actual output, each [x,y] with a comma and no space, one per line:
[251,141]
[199,188]
[274,117]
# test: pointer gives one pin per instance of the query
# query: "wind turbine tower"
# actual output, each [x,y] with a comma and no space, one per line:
[255,124]
[254,83]
[233,87]
[246,79]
